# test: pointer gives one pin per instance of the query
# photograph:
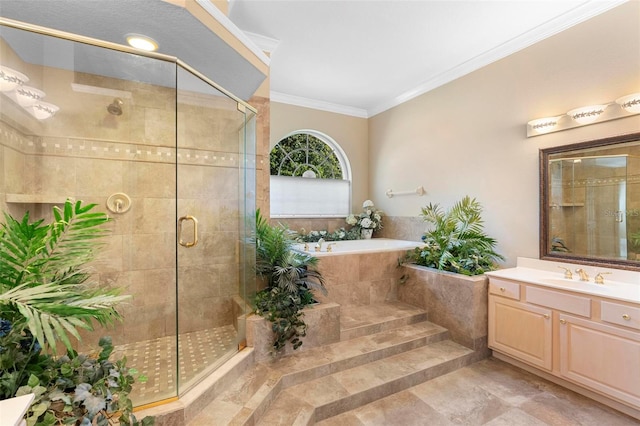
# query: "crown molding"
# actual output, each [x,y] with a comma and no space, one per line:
[267,44]
[233,29]
[577,15]
[316,104]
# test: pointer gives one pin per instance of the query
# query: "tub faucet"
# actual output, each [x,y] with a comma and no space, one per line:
[329,246]
[319,245]
[583,274]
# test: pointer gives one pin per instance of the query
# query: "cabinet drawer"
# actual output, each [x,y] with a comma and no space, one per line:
[504,288]
[616,313]
[577,305]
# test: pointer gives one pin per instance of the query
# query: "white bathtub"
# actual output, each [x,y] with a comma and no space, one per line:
[374,245]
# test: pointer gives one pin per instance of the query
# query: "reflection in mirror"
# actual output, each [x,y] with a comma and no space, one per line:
[590,202]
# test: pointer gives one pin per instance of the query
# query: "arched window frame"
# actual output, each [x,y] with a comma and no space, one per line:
[345,165]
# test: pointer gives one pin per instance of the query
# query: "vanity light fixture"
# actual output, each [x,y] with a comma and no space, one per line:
[142,42]
[630,103]
[620,108]
[11,79]
[544,125]
[588,114]
[42,110]
[27,96]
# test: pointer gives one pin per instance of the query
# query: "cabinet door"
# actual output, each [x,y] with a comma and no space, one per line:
[521,331]
[604,358]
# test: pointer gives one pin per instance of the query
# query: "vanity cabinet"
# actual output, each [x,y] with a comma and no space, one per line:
[585,340]
[520,330]
[600,357]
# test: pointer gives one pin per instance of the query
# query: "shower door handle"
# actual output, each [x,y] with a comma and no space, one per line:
[194,241]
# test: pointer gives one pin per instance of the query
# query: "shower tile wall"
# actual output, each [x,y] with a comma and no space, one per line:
[85,153]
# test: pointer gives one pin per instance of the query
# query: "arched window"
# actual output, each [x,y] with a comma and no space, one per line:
[310,177]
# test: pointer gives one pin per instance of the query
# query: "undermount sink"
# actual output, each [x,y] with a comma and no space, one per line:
[580,284]
[622,285]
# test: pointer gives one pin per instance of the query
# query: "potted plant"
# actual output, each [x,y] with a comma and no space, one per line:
[290,279]
[456,241]
[368,221]
[45,297]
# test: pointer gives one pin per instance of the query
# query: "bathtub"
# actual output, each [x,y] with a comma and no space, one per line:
[374,245]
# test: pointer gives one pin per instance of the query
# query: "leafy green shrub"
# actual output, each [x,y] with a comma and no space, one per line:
[456,241]
[45,296]
[291,280]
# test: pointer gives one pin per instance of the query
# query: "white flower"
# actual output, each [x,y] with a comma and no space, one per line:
[351,219]
[366,223]
[373,225]
[367,203]
[313,233]
[368,212]
[377,217]
[323,233]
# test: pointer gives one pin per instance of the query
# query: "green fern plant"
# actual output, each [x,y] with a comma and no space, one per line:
[43,275]
[456,241]
[291,278]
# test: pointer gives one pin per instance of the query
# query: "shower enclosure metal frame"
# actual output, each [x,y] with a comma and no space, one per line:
[227,226]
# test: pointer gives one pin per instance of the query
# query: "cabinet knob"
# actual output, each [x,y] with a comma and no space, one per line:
[626,317]
[563,321]
[546,316]
[502,289]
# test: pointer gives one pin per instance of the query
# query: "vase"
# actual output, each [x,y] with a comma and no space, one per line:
[366,234]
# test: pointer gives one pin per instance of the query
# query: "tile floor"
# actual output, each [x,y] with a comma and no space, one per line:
[156,359]
[489,392]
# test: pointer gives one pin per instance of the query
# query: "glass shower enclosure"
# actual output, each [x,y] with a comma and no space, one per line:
[170,157]
[589,205]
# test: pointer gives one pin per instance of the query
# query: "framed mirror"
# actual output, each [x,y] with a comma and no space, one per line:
[590,202]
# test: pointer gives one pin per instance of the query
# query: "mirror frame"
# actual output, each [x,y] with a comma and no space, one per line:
[546,254]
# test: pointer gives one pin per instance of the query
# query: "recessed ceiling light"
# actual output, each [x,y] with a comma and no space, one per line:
[142,42]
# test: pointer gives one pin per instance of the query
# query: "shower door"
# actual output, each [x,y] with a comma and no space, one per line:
[210,222]
[173,167]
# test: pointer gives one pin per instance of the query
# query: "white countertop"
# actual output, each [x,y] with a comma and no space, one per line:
[618,284]
[13,410]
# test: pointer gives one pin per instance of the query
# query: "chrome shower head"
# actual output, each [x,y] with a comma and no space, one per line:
[115,107]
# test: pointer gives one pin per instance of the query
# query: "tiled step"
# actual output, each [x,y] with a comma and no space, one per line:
[333,394]
[250,397]
[357,321]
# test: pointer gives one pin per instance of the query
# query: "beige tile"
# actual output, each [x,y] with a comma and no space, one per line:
[403,408]
[517,417]
[459,400]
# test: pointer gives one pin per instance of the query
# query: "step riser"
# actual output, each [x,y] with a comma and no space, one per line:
[353,333]
[358,360]
[262,399]
[389,388]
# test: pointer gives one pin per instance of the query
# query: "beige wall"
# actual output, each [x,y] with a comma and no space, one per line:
[349,132]
[469,136]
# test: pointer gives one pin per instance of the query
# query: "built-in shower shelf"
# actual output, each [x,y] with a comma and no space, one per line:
[568,205]
[34,199]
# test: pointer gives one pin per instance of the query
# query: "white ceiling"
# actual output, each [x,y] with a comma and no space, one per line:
[363,57]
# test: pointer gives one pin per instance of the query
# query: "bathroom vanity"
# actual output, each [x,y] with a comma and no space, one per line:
[581,334]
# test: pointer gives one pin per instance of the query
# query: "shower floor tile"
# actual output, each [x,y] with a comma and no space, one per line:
[156,358]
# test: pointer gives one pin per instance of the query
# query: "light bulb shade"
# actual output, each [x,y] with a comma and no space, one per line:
[588,114]
[630,103]
[43,110]
[11,79]
[543,125]
[27,96]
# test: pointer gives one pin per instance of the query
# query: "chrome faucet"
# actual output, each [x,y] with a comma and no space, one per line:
[583,274]
[319,245]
